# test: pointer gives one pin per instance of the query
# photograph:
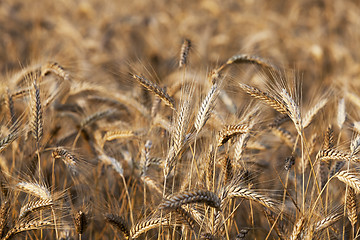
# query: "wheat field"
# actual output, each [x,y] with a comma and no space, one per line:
[179,120]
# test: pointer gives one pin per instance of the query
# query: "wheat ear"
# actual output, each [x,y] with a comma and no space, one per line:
[185,49]
[10,105]
[80,222]
[35,189]
[205,108]
[350,179]
[243,192]
[33,206]
[56,69]
[351,206]
[68,158]
[313,111]
[293,110]
[95,117]
[37,119]
[326,222]
[227,170]
[272,101]
[22,227]
[147,225]
[12,136]
[298,228]
[333,154]
[245,58]
[198,196]
[187,217]
[118,222]
[231,131]
[157,90]
[178,136]
[4,214]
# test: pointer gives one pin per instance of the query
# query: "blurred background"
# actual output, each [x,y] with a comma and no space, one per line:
[318,38]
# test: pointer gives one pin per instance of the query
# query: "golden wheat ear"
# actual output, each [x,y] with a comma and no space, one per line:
[351,206]
[206,106]
[157,90]
[27,226]
[34,206]
[298,228]
[146,225]
[267,98]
